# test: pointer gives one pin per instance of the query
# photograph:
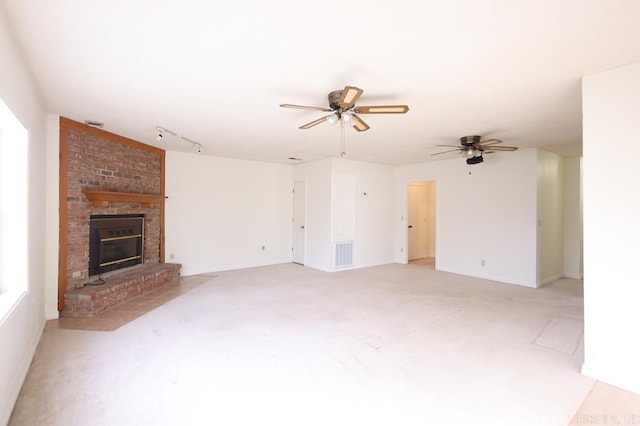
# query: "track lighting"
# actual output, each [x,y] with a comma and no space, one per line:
[160,135]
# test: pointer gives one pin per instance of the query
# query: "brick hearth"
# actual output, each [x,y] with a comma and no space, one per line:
[117,289]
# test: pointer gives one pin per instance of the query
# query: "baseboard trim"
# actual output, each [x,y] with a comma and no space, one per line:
[490,277]
[549,280]
[20,376]
[574,276]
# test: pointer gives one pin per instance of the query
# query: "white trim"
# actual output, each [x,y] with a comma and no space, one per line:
[21,372]
[549,280]
[490,277]
[293,239]
[574,276]
[9,300]
[405,211]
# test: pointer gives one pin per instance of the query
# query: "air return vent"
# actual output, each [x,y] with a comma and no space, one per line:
[343,254]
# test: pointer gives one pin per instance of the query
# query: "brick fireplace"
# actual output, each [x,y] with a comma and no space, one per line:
[105,174]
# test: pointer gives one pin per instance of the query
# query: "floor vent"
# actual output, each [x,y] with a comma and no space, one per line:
[344,254]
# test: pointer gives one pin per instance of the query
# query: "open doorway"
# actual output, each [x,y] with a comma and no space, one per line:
[421,222]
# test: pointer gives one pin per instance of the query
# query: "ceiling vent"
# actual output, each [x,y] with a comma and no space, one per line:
[93,123]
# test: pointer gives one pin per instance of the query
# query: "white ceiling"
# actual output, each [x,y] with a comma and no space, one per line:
[216,72]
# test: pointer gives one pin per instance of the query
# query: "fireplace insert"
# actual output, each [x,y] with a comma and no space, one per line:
[115,242]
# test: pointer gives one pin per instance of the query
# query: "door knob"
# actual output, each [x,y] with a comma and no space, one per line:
[301,226]
[410,226]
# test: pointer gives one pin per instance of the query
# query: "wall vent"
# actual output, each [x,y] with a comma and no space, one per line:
[343,254]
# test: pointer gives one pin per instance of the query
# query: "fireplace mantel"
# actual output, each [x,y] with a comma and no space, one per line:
[103,198]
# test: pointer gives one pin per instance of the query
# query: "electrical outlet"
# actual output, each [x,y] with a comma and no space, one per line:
[171,256]
[401,250]
[263,248]
[482,262]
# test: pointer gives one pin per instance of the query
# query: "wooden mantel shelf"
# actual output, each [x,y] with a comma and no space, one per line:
[103,198]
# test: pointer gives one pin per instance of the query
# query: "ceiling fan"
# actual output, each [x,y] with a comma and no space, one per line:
[472,148]
[342,108]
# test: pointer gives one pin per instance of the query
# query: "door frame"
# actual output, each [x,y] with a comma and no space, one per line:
[405,217]
[293,221]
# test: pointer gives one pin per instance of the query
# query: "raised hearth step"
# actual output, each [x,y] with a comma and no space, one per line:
[90,300]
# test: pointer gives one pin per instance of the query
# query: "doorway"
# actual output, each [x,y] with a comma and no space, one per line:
[299,218]
[421,222]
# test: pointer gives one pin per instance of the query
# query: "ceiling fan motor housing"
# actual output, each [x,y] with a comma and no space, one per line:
[334,100]
[470,140]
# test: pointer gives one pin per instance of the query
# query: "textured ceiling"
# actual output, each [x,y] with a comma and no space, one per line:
[216,72]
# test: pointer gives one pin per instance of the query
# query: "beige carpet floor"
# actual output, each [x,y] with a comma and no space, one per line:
[288,345]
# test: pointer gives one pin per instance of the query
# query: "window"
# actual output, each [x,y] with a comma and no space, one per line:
[13,209]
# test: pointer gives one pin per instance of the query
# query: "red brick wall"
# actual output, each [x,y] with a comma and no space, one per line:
[97,163]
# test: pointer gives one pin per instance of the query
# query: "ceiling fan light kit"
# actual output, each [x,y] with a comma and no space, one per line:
[332,119]
[342,105]
[475,160]
[472,148]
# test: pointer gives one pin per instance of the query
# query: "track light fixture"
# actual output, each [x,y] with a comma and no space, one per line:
[160,135]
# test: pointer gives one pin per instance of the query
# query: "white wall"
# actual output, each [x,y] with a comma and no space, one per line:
[572,217]
[611,124]
[374,233]
[220,212]
[550,218]
[21,328]
[53,217]
[489,215]
[374,243]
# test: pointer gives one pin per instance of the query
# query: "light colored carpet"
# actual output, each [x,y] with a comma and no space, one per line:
[562,334]
[288,345]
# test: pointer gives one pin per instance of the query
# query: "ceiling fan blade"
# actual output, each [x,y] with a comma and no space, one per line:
[444,152]
[358,124]
[382,109]
[349,96]
[453,146]
[312,108]
[503,148]
[490,142]
[315,122]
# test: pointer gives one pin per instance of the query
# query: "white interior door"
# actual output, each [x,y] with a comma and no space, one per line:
[416,221]
[299,200]
[421,220]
